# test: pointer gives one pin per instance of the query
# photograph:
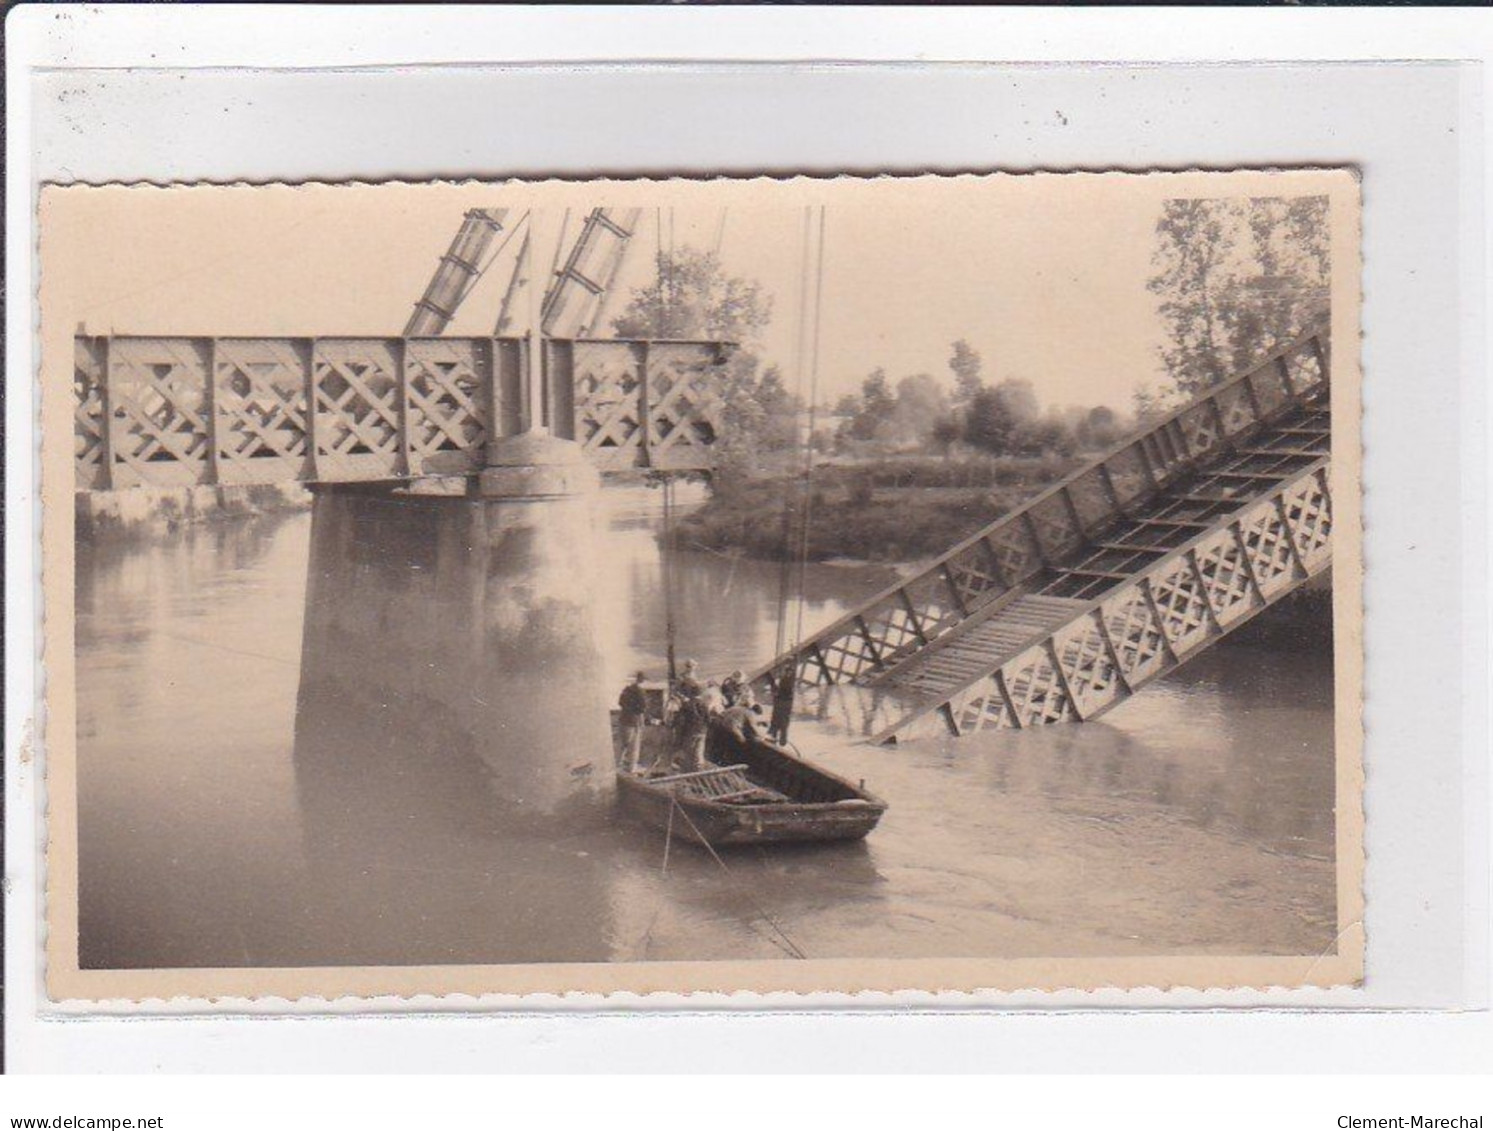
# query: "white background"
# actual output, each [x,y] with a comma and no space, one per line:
[1416,132]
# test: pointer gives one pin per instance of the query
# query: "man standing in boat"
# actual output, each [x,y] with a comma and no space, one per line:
[633,708]
[783,681]
[689,685]
[697,704]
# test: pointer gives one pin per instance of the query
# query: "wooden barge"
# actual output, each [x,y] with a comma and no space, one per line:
[754,792]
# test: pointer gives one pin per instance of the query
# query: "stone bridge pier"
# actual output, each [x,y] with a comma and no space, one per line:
[464,625]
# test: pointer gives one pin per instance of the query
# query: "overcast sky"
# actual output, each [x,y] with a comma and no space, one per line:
[1044,284]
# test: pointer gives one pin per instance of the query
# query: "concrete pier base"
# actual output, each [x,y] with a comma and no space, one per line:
[478,609]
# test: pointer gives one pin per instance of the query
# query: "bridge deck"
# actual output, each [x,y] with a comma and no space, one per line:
[1070,604]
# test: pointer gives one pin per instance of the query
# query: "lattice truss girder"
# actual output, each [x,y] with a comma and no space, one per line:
[608,387]
[684,402]
[657,405]
[1153,622]
[176,411]
[447,389]
[89,447]
[357,391]
[1127,487]
[260,394]
[161,396]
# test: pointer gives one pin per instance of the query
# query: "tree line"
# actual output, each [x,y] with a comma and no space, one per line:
[1000,418]
[1233,278]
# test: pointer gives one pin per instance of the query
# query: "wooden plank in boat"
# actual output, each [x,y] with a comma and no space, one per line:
[670,779]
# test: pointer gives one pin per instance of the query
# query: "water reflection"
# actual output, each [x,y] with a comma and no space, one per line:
[218,829]
[726,605]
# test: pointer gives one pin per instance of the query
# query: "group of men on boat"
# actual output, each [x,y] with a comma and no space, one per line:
[692,706]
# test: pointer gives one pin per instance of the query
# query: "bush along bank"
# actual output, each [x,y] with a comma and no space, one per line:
[145,512]
[893,511]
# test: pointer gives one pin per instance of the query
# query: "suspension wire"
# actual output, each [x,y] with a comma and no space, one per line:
[658,262]
[785,574]
[785,578]
[514,281]
[808,471]
[792,949]
[513,231]
[670,552]
[670,538]
[475,278]
[673,279]
[720,233]
[668,841]
[559,246]
[534,392]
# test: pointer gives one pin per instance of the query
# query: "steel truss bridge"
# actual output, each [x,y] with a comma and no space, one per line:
[1072,603]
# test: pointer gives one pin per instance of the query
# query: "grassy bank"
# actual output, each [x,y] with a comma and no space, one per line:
[889,511]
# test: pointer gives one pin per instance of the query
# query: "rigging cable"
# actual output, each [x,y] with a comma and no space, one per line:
[658,262]
[808,472]
[720,233]
[671,549]
[514,281]
[673,268]
[559,246]
[787,946]
[493,258]
[790,511]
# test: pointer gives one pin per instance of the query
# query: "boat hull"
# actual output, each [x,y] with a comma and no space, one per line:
[718,824]
[817,805]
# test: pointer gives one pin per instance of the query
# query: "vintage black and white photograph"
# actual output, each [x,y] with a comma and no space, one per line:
[934,583]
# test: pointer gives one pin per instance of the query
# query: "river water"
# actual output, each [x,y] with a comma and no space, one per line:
[1195,819]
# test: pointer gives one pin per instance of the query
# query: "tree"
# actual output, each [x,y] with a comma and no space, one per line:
[987,424]
[692,297]
[966,364]
[1049,435]
[921,402]
[1098,428]
[1147,404]
[1018,400]
[848,405]
[947,431]
[1007,419]
[1236,278]
[780,409]
[876,395]
[873,417]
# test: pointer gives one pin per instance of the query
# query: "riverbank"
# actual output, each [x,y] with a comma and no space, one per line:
[888,512]
[147,512]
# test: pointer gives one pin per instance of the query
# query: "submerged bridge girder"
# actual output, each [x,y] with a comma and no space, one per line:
[1070,604]
[183,411]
